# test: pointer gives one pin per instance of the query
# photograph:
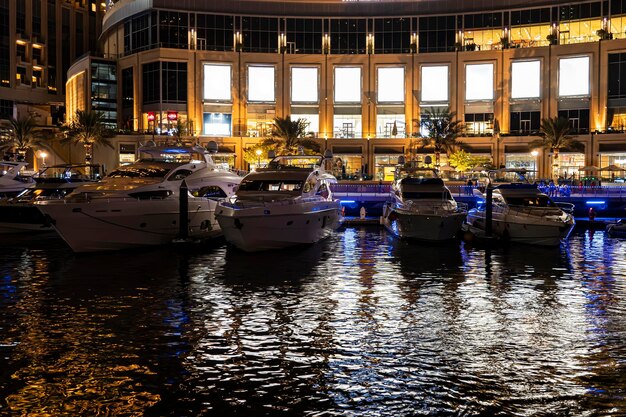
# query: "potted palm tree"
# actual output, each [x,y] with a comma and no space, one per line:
[441,131]
[555,136]
[87,129]
[23,135]
[288,136]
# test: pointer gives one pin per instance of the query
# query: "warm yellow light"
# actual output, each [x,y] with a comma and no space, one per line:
[20,42]
[259,152]
[534,153]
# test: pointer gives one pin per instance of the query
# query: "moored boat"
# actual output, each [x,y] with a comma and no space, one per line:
[20,215]
[288,203]
[139,204]
[422,207]
[12,180]
[523,214]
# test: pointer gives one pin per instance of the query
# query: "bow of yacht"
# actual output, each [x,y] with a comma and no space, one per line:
[19,214]
[422,207]
[287,203]
[138,204]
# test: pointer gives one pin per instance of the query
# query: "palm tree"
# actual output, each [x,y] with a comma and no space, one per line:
[87,129]
[442,131]
[288,137]
[555,133]
[23,136]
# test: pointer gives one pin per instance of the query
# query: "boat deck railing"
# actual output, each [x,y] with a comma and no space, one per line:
[434,208]
[526,211]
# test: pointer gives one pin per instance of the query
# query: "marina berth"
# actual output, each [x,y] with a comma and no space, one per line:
[522,214]
[422,207]
[289,202]
[139,204]
[20,215]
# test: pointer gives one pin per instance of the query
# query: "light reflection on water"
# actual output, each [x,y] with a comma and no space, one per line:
[360,324]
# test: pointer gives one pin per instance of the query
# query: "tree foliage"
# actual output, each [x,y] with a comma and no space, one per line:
[289,135]
[442,130]
[23,135]
[87,129]
[464,161]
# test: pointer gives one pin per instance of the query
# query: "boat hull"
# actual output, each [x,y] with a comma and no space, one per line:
[270,228]
[22,218]
[517,230]
[103,226]
[428,227]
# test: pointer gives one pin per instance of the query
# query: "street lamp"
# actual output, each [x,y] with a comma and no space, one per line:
[258,154]
[43,155]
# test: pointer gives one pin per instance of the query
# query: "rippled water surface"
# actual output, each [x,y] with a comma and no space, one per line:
[359,325]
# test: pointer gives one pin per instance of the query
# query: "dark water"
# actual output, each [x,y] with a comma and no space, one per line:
[359,325]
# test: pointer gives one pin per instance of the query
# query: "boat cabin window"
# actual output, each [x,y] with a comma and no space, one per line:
[323,190]
[42,193]
[139,172]
[211,191]
[181,174]
[534,201]
[432,195]
[7,170]
[270,185]
[176,155]
[73,173]
[308,162]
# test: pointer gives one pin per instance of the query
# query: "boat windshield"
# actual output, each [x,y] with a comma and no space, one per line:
[78,173]
[432,195]
[532,201]
[271,185]
[6,169]
[176,155]
[42,193]
[139,172]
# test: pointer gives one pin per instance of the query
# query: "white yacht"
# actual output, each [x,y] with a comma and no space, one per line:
[422,207]
[20,215]
[12,180]
[521,213]
[288,203]
[138,205]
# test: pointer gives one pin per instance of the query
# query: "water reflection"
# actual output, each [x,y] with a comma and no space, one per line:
[361,324]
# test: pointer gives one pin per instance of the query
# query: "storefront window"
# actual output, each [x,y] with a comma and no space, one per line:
[127,153]
[617,159]
[569,163]
[385,167]
[347,166]
[217,124]
[522,161]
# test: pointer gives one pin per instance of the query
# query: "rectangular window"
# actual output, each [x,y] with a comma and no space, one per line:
[36,8]
[174,82]
[151,82]
[478,82]
[217,124]
[526,79]
[217,82]
[347,84]
[435,83]
[390,88]
[312,119]
[392,35]
[437,34]
[128,98]
[390,125]
[51,47]
[578,119]
[215,33]
[261,84]
[574,76]
[304,36]
[525,122]
[304,85]
[347,125]
[260,34]
[348,36]
[173,29]
[6,109]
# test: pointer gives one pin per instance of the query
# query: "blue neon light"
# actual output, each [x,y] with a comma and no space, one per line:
[347,201]
[596,203]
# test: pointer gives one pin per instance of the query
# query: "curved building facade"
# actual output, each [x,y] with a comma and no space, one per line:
[361,73]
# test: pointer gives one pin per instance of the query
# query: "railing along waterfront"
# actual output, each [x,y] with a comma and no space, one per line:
[458,190]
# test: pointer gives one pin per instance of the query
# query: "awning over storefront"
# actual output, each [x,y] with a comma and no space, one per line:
[612,147]
[389,150]
[516,149]
[347,150]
